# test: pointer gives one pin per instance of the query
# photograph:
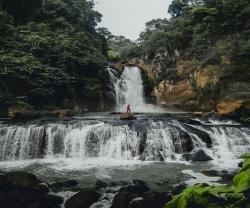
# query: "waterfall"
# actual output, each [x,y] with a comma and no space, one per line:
[129,90]
[141,140]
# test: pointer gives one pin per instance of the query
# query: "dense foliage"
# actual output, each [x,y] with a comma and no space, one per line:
[235,195]
[50,53]
[121,48]
[206,33]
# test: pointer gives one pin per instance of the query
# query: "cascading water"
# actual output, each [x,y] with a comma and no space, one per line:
[129,90]
[142,140]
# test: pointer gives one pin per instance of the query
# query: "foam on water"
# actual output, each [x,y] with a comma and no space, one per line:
[148,141]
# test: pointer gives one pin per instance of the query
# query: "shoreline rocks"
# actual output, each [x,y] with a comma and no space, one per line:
[30,114]
[22,189]
[82,199]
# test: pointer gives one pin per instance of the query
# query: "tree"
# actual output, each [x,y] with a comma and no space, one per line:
[177,7]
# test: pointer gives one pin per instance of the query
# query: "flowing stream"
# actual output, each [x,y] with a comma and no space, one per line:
[147,139]
[100,146]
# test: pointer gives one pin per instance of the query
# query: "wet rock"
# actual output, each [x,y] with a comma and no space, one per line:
[127,116]
[122,199]
[52,200]
[70,183]
[228,107]
[211,173]
[82,199]
[137,202]
[1,196]
[42,188]
[143,200]
[21,179]
[138,187]
[56,186]
[227,177]
[240,164]
[200,155]
[149,200]
[21,189]
[126,194]
[183,143]
[178,188]
[187,156]
[117,66]
[204,136]
[101,184]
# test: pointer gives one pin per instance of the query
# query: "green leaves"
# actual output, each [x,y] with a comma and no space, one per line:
[50,53]
[217,196]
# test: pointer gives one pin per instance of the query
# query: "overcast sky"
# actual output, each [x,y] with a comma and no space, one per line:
[128,17]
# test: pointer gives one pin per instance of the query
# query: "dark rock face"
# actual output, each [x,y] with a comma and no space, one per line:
[201,134]
[138,187]
[126,194]
[150,200]
[184,144]
[21,179]
[70,183]
[56,186]
[25,190]
[60,186]
[82,199]
[211,173]
[177,189]
[101,184]
[200,155]
[138,195]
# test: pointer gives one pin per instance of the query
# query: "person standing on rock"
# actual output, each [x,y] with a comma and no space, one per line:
[128,108]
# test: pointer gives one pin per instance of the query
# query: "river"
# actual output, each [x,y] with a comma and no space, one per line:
[99,146]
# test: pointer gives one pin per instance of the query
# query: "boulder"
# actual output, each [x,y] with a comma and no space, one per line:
[42,188]
[211,173]
[137,187]
[178,188]
[70,183]
[204,136]
[122,199]
[117,66]
[128,116]
[240,165]
[229,107]
[126,194]
[149,200]
[22,189]
[200,155]
[56,186]
[21,179]
[101,184]
[52,200]
[82,199]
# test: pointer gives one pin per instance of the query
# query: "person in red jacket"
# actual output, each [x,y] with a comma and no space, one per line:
[128,109]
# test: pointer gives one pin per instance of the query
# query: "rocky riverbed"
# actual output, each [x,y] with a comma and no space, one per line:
[24,189]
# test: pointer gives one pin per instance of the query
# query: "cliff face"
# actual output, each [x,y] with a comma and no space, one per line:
[201,84]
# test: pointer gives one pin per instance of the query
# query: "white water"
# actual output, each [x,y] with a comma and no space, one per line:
[154,141]
[129,90]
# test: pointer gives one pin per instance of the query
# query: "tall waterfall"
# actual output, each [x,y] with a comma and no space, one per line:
[129,90]
[142,140]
